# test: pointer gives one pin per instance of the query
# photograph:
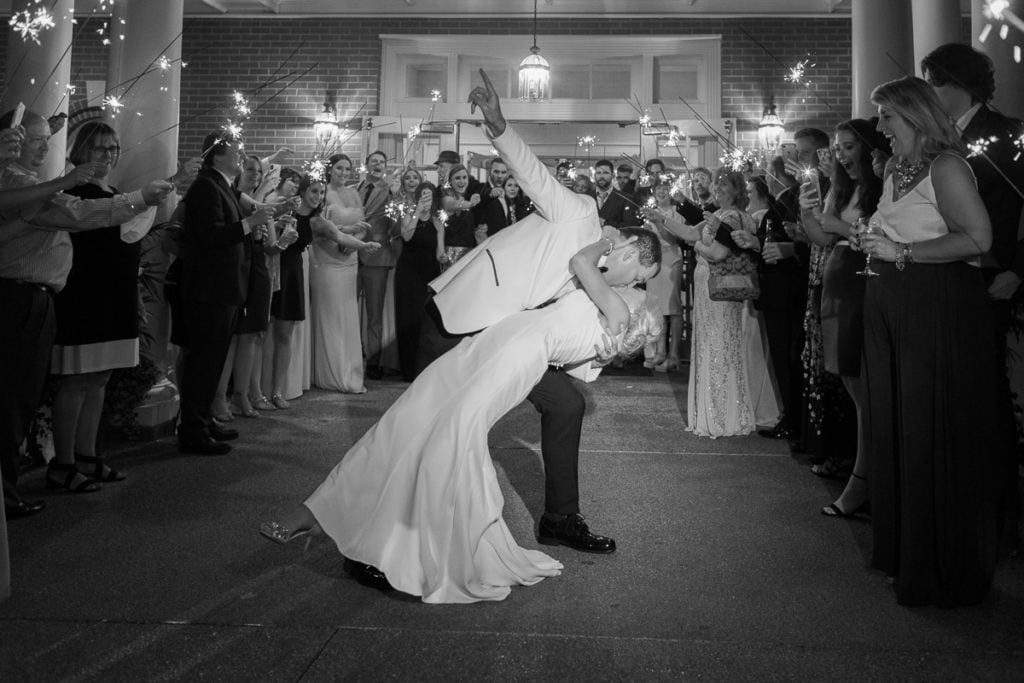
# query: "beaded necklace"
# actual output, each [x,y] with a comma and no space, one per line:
[905,174]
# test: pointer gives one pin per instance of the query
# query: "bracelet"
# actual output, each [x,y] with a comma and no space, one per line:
[611,245]
[901,253]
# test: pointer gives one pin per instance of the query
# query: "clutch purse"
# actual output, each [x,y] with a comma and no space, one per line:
[734,278]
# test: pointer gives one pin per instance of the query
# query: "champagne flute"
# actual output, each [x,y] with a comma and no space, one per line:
[866,227]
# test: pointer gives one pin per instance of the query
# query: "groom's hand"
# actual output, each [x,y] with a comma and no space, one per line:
[604,356]
[486,97]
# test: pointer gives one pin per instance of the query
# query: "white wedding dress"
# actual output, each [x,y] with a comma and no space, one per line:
[418,496]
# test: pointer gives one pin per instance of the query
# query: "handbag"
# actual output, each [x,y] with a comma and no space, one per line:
[734,278]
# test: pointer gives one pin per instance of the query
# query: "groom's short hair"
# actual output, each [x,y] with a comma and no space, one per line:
[647,245]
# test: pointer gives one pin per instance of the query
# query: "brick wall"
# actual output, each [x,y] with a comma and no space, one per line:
[227,54]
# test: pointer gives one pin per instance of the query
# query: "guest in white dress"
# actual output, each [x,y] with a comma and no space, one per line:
[333,270]
[718,397]
[418,496]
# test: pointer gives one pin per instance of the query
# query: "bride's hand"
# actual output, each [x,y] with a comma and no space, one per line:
[604,356]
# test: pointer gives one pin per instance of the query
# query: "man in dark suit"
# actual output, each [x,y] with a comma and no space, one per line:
[611,204]
[624,181]
[214,287]
[374,267]
[964,81]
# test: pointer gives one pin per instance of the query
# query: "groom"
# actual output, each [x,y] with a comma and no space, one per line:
[525,266]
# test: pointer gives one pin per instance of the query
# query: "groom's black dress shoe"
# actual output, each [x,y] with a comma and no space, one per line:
[368,575]
[202,445]
[218,433]
[16,507]
[573,532]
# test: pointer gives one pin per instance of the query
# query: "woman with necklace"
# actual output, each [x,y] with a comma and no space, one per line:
[928,350]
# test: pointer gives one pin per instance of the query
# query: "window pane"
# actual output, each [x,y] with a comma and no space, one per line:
[570,82]
[674,81]
[611,82]
[422,79]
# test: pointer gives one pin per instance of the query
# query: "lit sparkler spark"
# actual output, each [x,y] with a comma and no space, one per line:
[645,120]
[316,170]
[572,173]
[643,180]
[241,105]
[232,131]
[798,74]
[442,216]
[1019,144]
[651,203]
[163,63]
[72,88]
[739,159]
[587,141]
[394,210]
[999,10]
[113,103]
[30,24]
[980,146]
[361,168]
[414,132]
[435,95]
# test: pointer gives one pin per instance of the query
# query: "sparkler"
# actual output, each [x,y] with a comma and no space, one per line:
[113,103]
[798,74]
[980,146]
[442,216]
[739,159]
[316,170]
[999,10]
[1019,144]
[395,210]
[30,24]
[587,141]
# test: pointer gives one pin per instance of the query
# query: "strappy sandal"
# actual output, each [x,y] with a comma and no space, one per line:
[101,471]
[74,481]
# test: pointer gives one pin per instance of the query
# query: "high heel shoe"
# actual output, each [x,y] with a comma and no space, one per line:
[261,402]
[243,408]
[282,535]
[667,365]
[279,402]
[833,509]
[220,411]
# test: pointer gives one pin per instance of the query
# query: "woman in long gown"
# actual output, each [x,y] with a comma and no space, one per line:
[418,496]
[929,362]
[333,269]
[417,266]
[718,396]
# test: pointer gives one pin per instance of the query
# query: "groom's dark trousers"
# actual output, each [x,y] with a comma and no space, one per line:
[561,407]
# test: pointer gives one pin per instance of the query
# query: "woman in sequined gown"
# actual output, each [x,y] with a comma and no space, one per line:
[718,396]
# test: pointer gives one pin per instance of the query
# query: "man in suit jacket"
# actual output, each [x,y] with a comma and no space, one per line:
[522,267]
[214,287]
[964,81]
[374,267]
[611,204]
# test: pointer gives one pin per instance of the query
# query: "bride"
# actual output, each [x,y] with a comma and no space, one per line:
[417,496]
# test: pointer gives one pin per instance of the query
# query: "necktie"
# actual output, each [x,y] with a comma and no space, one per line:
[367,191]
[601,197]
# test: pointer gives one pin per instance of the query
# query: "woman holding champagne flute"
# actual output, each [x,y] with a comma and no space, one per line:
[928,362]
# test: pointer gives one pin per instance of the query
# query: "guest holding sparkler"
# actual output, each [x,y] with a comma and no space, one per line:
[417,266]
[457,225]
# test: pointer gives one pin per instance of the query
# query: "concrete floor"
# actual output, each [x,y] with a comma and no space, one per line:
[725,569]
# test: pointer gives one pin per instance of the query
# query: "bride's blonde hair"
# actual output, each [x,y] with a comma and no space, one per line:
[644,325]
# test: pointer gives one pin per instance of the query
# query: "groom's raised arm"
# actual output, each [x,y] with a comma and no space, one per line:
[554,201]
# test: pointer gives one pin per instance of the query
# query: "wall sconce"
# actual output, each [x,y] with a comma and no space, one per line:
[325,125]
[770,130]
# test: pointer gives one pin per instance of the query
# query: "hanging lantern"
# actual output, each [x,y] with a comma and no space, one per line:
[534,71]
[770,130]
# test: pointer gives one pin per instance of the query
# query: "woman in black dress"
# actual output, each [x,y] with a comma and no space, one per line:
[416,267]
[929,362]
[97,324]
[459,234]
[854,194]
[288,305]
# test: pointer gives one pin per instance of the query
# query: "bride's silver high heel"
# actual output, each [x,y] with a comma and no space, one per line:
[280,534]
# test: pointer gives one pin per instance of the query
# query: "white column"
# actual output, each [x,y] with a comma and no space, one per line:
[147,127]
[1009,97]
[882,48]
[936,22]
[150,95]
[38,75]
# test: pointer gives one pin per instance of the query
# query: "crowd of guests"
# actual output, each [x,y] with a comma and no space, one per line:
[886,260]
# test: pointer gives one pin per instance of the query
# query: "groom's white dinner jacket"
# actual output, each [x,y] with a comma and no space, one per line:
[526,264]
